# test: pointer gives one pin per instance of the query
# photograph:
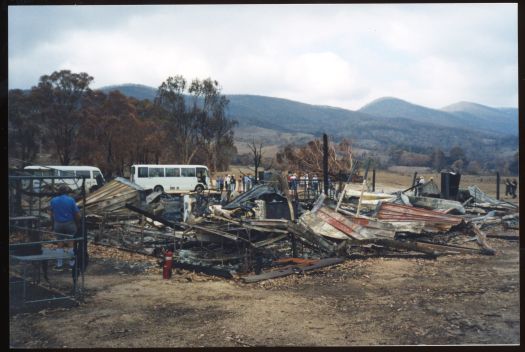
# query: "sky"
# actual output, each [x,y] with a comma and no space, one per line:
[341,55]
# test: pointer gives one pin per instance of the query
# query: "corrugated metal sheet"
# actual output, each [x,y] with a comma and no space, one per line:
[433,220]
[436,204]
[321,227]
[355,227]
[481,197]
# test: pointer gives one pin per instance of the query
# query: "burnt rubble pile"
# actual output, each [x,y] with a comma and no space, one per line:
[266,233]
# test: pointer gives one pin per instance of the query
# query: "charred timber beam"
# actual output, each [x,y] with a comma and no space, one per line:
[311,237]
[209,270]
[291,270]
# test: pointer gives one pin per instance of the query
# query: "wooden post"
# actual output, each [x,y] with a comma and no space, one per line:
[497,185]
[362,190]
[373,180]
[325,163]
[414,179]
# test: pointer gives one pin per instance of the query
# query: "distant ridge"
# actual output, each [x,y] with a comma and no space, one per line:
[378,125]
[463,115]
[137,91]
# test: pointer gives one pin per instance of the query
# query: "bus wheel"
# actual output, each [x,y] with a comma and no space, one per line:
[158,189]
[199,189]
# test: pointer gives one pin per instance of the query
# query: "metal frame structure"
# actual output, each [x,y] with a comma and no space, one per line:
[17,213]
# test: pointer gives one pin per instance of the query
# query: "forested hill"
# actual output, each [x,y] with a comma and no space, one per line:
[271,112]
[380,124]
[463,115]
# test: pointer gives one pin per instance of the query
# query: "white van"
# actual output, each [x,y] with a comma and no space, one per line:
[166,178]
[91,174]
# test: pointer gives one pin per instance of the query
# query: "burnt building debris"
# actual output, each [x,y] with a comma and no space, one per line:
[254,231]
[267,232]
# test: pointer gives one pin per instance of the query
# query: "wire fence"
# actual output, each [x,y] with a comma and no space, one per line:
[33,244]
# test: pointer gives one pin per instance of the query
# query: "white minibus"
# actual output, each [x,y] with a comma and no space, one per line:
[91,174]
[166,178]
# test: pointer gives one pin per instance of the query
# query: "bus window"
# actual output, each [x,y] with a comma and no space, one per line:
[143,172]
[85,173]
[67,173]
[172,172]
[132,178]
[188,172]
[156,172]
[201,174]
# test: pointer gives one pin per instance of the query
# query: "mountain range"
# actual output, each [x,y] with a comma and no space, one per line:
[379,124]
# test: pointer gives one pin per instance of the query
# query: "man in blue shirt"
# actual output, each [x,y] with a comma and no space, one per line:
[65,219]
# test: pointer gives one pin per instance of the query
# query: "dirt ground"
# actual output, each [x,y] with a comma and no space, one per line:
[392,300]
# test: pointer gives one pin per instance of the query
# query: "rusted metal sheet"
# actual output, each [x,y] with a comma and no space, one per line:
[321,227]
[434,221]
[356,228]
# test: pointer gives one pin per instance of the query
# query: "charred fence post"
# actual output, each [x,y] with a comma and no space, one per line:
[294,246]
[373,180]
[414,179]
[497,185]
[325,163]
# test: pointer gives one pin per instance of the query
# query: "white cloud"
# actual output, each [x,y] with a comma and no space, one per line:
[342,55]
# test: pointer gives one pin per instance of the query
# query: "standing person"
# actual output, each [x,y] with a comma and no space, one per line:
[246,181]
[315,183]
[217,183]
[249,181]
[419,188]
[221,183]
[65,220]
[227,183]
[514,188]
[330,187]
[294,183]
[508,187]
[233,183]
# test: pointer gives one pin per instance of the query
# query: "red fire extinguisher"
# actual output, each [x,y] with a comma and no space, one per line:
[168,262]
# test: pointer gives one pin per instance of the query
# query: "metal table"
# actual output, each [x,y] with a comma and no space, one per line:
[47,254]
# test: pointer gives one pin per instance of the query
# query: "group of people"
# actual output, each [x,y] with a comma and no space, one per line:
[511,187]
[306,181]
[229,183]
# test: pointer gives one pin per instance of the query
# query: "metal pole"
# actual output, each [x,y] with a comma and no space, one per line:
[84,235]
[31,190]
[325,163]
[497,185]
